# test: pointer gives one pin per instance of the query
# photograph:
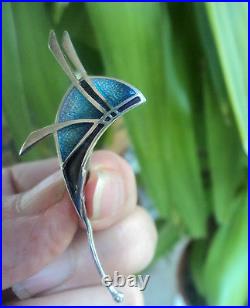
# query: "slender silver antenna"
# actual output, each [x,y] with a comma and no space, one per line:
[40,134]
[73,57]
[58,54]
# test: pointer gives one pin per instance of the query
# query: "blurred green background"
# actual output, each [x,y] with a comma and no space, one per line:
[190,62]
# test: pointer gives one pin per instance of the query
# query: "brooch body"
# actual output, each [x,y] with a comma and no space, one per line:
[88,108]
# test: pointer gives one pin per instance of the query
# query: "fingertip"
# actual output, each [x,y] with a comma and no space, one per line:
[138,232]
[110,190]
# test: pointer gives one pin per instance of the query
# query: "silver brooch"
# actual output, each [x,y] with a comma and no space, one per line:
[88,108]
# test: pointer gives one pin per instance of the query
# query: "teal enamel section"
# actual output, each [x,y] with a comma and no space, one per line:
[75,106]
[114,91]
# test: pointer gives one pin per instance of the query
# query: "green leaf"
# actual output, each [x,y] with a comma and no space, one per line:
[44,81]
[58,8]
[226,266]
[33,80]
[228,25]
[135,42]
[168,235]
[76,21]
[228,166]
[198,251]
[15,107]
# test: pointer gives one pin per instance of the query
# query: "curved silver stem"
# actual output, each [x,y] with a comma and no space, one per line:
[117,296]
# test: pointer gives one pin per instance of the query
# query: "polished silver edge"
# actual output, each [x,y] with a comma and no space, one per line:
[117,296]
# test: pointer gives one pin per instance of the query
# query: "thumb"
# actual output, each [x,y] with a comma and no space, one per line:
[38,225]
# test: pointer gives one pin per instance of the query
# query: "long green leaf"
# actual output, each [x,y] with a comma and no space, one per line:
[197,257]
[43,82]
[76,21]
[229,28]
[228,166]
[168,235]
[226,267]
[14,101]
[136,46]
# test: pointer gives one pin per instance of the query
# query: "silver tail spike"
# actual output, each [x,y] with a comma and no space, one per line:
[117,296]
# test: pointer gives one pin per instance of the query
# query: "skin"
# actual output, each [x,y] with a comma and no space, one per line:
[46,258]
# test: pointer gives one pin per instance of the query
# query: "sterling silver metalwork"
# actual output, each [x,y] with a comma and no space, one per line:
[88,108]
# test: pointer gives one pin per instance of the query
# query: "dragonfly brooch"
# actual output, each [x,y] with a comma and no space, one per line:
[89,107]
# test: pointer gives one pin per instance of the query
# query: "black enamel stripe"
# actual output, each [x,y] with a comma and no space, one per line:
[129,103]
[94,95]
[72,167]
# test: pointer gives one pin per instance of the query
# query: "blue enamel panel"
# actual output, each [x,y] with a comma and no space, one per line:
[114,91]
[76,106]
[70,136]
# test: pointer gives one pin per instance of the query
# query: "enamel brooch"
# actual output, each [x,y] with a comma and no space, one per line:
[89,107]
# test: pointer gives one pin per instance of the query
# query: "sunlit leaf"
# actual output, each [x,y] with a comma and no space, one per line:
[229,27]
[227,160]
[137,47]
[223,28]
[168,235]
[17,116]
[42,83]
[226,267]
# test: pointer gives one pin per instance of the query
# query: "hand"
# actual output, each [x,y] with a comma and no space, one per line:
[46,259]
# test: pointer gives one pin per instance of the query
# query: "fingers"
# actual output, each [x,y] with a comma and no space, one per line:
[30,243]
[36,200]
[110,192]
[128,247]
[24,176]
[111,189]
[92,296]
[40,223]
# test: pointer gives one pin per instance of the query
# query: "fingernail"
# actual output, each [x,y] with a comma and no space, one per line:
[49,277]
[43,195]
[109,193]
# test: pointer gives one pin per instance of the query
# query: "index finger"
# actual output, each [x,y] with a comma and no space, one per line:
[24,176]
